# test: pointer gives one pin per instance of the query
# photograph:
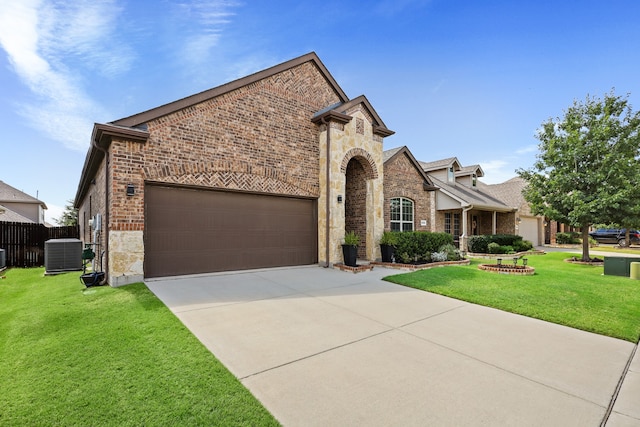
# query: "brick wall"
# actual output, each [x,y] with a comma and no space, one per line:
[256,138]
[94,203]
[401,179]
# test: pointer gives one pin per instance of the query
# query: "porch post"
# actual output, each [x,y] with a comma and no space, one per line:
[493,223]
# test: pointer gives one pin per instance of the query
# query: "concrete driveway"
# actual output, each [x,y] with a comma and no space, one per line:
[323,347]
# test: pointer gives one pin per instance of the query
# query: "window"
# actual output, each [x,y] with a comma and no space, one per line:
[401,214]
[452,219]
[451,176]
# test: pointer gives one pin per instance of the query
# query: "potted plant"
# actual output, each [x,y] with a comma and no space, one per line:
[388,243]
[350,248]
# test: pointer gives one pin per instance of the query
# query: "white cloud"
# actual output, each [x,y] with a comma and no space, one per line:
[202,22]
[497,171]
[49,44]
[528,149]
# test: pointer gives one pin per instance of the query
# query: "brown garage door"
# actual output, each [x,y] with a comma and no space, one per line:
[191,231]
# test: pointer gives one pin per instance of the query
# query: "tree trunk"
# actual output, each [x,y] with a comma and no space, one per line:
[585,243]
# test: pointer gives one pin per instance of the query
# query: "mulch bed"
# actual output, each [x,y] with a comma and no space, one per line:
[594,261]
[422,266]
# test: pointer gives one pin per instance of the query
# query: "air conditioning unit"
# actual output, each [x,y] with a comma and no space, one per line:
[62,255]
[3,259]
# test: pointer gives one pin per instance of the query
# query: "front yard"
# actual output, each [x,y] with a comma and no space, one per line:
[107,356]
[579,296]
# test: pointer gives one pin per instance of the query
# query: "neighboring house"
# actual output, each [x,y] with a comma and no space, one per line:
[530,227]
[441,196]
[539,230]
[7,215]
[19,206]
[409,198]
[268,170]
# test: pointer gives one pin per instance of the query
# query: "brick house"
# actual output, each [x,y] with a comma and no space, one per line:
[409,193]
[441,196]
[268,170]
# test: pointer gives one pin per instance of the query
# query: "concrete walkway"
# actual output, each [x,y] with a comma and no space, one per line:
[323,347]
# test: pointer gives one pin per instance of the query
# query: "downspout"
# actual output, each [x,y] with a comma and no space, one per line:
[105,223]
[328,187]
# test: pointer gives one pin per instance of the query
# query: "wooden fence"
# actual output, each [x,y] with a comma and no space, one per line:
[24,243]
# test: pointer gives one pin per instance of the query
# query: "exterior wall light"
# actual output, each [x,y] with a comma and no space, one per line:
[131,190]
[340,199]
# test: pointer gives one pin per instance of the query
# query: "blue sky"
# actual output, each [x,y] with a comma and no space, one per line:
[466,78]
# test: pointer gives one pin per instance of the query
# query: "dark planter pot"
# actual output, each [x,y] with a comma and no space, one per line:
[387,253]
[350,254]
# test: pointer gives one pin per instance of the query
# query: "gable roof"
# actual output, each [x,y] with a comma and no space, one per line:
[9,194]
[441,164]
[338,112]
[172,107]
[7,215]
[470,197]
[509,192]
[468,170]
[392,153]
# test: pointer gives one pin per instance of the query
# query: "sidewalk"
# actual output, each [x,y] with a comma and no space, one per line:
[322,347]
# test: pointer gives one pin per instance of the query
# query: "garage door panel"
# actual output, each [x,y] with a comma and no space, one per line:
[196,231]
[528,229]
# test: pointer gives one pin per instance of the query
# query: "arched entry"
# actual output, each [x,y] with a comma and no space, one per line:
[358,170]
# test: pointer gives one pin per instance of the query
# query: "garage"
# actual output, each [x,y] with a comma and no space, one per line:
[189,231]
[528,229]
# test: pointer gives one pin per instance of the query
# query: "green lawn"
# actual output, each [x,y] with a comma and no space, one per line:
[107,356]
[579,296]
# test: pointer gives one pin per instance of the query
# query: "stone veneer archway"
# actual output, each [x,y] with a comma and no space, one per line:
[352,157]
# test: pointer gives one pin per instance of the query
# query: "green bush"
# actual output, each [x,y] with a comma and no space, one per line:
[493,248]
[453,254]
[522,245]
[419,245]
[478,244]
[513,242]
[389,238]
[571,238]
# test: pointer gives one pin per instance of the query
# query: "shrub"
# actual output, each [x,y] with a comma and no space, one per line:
[405,258]
[506,249]
[418,245]
[389,238]
[571,238]
[481,244]
[453,254]
[439,256]
[493,248]
[522,245]
[478,244]
[351,238]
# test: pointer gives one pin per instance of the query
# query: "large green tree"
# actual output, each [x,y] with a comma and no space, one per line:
[587,169]
[69,216]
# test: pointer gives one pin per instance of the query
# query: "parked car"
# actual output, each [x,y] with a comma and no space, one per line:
[615,235]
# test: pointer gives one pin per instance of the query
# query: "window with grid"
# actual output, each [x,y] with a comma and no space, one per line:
[401,214]
[447,222]
[456,225]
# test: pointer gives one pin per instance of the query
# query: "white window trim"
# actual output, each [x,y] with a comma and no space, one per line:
[403,221]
